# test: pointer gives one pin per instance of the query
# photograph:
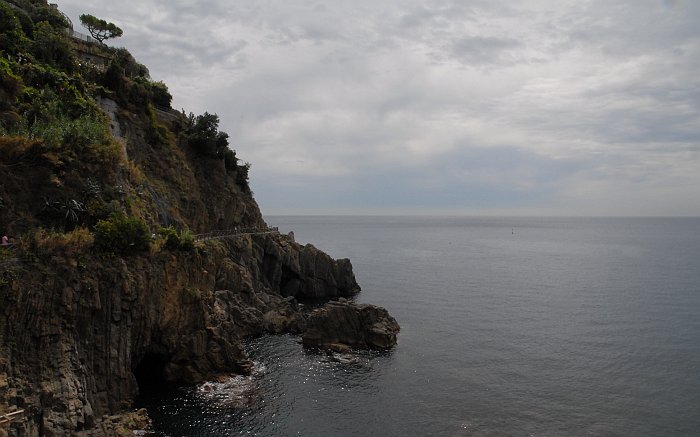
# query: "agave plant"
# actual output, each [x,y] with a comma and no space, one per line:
[71,209]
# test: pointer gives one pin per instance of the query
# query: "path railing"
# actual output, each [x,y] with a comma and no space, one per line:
[81,36]
[9,417]
[222,233]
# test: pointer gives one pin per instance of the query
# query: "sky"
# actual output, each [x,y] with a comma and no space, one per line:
[460,107]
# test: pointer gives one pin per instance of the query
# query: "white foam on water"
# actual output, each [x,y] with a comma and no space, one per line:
[233,391]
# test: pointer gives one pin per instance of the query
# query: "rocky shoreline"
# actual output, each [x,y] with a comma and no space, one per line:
[77,344]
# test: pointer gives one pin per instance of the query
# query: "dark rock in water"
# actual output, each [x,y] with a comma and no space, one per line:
[343,322]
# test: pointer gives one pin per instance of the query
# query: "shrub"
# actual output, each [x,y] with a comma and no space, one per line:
[242,176]
[161,95]
[156,133]
[128,65]
[43,243]
[186,240]
[174,240]
[205,137]
[42,11]
[53,47]
[15,148]
[6,253]
[10,86]
[138,91]
[230,160]
[12,38]
[122,235]
[67,212]
[12,34]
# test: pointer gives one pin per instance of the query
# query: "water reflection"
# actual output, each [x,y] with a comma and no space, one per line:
[291,389]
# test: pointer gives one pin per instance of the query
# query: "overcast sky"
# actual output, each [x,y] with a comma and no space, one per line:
[549,107]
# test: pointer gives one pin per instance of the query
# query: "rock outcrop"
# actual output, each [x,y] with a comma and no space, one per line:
[79,334]
[343,323]
[306,273]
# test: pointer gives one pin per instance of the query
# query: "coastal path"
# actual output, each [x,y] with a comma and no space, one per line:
[215,235]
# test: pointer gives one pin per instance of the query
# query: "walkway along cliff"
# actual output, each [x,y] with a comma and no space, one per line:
[106,285]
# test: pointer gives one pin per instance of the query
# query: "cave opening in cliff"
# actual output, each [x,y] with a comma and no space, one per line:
[150,371]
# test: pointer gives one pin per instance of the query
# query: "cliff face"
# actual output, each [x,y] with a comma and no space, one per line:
[83,150]
[180,186]
[77,333]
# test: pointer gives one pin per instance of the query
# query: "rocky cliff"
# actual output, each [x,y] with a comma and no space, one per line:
[79,333]
[92,162]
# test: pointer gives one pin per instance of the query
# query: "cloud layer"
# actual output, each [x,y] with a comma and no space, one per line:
[439,106]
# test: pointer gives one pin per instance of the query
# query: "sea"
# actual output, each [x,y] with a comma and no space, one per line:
[509,327]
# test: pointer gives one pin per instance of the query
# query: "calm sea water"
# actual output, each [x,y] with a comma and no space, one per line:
[523,327]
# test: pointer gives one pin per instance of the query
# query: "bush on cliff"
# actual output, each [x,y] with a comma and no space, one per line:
[12,37]
[122,235]
[51,46]
[205,137]
[46,243]
[161,95]
[174,240]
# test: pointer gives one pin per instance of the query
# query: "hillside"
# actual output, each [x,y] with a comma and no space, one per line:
[60,96]
[103,188]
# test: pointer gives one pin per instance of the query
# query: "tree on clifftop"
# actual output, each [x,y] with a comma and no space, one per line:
[99,28]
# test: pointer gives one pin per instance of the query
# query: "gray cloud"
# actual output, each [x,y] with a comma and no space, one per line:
[538,106]
[476,50]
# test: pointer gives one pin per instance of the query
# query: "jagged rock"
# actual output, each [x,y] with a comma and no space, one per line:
[304,272]
[123,425]
[76,345]
[343,322]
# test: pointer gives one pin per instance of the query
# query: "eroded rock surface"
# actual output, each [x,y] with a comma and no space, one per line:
[78,336]
[344,323]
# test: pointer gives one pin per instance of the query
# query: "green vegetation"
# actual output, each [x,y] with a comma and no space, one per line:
[161,95]
[10,86]
[69,212]
[99,28]
[50,46]
[156,133]
[122,235]
[44,243]
[52,131]
[12,34]
[130,83]
[62,169]
[174,240]
[203,135]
